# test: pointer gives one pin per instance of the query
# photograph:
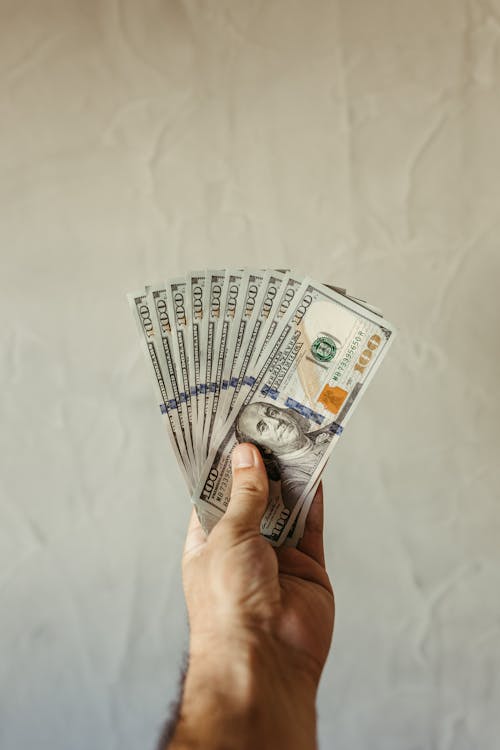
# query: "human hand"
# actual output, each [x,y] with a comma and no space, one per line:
[261,622]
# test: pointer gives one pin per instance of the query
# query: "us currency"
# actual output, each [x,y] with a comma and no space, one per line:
[245,304]
[217,284]
[163,377]
[157,298]
[178,307]
[265,307]
[315,367]
[249,304]
[278,307]
[197,303]
[258,309]
[229,311]
[174,343]
[215,321]
[221,308]
[287,293]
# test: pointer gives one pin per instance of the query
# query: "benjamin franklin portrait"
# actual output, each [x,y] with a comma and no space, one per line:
[290,451]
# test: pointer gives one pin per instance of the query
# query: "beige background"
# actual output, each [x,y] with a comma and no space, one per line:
[355,140]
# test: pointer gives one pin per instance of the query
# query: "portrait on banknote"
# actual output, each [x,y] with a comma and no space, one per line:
[290,450]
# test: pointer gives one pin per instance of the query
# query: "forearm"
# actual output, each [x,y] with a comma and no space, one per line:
[249,696]
[261,624]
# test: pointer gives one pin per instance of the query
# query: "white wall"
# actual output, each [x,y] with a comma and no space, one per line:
[355,140]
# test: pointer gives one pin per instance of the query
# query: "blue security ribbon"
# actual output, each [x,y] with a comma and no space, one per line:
[305,411]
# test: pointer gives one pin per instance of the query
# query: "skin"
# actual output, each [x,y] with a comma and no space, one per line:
[271,427]
[261,623]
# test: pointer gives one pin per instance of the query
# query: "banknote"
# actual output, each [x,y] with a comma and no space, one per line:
[255,301]
[218,285]
[216,289]
[225,332]
[254,307]
[160,298]
[295,404]
[164,377]
[266,356]
[178,308]
[289,289]
[245,305]
[259,307]
[264,309]
[197,302]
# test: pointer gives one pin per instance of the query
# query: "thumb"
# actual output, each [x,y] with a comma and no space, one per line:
[249,493]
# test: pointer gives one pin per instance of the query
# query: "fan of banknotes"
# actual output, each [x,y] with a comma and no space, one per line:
[268,357]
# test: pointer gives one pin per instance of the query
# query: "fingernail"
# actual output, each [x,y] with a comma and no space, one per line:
[243,456]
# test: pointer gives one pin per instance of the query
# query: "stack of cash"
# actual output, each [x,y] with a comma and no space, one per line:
[267,357]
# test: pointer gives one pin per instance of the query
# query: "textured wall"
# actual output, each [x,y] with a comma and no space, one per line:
[355,140]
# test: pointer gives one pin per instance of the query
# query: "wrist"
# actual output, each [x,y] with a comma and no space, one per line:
[246,692]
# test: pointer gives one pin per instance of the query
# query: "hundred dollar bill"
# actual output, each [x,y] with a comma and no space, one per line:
[163,372]
[316,365]
[248,302]
[178,307]
[258,309]
[245,304]
[265,308]
[286,295]
[229,312]
[157,301]
[197,302]
[217,283]
[173,338]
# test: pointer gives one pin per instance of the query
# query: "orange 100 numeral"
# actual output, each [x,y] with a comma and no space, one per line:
[366,354]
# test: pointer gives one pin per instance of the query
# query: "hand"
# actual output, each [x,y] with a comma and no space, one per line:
[261,622]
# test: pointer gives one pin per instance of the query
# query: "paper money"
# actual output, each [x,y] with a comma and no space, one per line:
[217,283]
[197,302]
[295,407]
[260,301]
[173,364]
[158,353]
[226,332]
[267,357]
[248,292]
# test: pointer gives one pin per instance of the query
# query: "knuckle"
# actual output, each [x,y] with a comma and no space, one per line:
[248,489]
[250,483]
